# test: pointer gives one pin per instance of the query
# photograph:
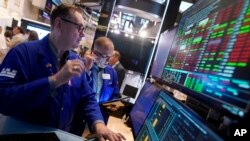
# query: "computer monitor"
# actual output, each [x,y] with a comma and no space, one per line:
[143,105]
[130,91]
[164,44]
[41,31]
[171,120]
[211,58]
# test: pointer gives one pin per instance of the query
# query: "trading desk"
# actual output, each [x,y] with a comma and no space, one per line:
[9,125]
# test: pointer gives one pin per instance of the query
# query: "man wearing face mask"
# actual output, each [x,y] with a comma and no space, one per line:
[102,77]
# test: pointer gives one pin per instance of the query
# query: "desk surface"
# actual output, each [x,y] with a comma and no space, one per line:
[9,125]
[118,125]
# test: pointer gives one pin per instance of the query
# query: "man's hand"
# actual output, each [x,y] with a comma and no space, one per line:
[106,134]
[89,60]
[71,68]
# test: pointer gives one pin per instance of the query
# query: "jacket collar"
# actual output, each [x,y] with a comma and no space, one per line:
[44,48]
[47,56]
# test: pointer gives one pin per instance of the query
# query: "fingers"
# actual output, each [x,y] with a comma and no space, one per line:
[118,137]
[90,57]
[106,134]
[113,137]
[76,66]
[101,139]
[70,69]
[121,136]
[89,61]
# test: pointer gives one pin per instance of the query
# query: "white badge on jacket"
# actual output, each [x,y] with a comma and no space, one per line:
[106,76]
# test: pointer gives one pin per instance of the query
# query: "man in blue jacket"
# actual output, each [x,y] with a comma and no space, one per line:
[43,82]
[102,77]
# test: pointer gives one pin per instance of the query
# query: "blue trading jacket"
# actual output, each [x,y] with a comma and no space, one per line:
[25,91]
[110,88]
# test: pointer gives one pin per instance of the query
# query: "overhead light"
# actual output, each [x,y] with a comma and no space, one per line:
[117,31]
[143,33]
[113,21]
[184,6]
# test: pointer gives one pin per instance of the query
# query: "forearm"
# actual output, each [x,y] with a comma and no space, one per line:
[91,110]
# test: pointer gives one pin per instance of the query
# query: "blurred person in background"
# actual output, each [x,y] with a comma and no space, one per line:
[18,37]
[2,40]
[32,35]
[3,46]
[8,35]
[114,61]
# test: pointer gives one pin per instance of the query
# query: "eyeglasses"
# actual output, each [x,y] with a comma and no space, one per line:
[79,27]
[98,54]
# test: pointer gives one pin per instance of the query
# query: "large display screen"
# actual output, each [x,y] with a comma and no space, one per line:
[169,120]
[211,58]
[40,30]
[143,105]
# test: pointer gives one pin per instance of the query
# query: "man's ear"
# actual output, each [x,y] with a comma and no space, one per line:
[58,23]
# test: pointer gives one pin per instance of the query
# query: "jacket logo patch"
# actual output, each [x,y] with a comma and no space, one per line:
[8,73]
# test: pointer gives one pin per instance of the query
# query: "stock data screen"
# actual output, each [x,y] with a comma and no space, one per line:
[211,54]
[170,120]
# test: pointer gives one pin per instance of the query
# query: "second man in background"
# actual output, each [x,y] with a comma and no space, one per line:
[102,77]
